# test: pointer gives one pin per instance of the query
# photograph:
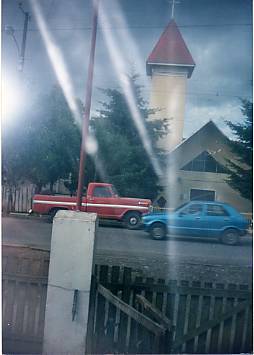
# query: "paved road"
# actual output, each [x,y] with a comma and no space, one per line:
[121,241]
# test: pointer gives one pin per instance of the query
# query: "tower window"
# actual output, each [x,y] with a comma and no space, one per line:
[206,163]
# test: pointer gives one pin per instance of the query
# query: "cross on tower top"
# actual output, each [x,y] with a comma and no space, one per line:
[173,2]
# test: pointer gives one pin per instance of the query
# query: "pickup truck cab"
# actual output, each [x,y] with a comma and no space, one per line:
[102,199]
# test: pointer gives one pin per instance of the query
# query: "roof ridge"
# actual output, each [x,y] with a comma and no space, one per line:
[196,132]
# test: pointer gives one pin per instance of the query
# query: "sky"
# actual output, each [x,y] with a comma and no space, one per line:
[218,34]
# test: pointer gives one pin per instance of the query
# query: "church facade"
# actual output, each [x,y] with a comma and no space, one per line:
[196,168]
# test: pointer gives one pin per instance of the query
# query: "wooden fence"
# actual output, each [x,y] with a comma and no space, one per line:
[24,291]
[205,317]
[17,199]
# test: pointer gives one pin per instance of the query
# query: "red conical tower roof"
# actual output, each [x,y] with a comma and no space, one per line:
[171,50]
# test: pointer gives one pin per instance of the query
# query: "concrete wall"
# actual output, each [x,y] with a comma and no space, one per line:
[70,269]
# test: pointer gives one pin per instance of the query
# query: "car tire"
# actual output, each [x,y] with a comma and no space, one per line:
[158,231]
[230,237]
[132,220]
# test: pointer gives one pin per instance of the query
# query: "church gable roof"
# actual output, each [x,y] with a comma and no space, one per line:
[208,138]
[171,49]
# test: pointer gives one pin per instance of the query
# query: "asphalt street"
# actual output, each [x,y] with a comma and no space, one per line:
[120,241]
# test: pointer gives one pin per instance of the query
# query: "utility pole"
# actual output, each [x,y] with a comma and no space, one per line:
[11,32]
[85,124]
[23,45]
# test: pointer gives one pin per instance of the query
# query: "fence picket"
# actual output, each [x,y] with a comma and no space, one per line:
[115,273]
[192,322]
[227,327]
[233,328]
[249,335]
[100,314]
[126,299]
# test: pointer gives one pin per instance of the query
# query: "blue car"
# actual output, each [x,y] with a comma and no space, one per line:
[199,218]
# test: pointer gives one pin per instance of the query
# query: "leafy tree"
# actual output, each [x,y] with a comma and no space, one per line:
[47,143]
[241,172]
[127,164]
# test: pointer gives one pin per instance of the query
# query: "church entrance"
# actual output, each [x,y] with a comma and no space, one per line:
[202,195]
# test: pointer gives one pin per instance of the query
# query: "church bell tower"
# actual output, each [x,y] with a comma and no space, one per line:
[169,65]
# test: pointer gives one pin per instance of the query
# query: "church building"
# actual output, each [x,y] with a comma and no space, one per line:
[196,166]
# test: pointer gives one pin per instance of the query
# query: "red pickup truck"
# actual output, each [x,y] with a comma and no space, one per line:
[102,199]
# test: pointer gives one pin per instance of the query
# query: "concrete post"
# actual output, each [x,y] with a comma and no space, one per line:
[70,270]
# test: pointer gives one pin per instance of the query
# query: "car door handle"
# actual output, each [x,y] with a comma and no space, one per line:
[226,219]
[197,217]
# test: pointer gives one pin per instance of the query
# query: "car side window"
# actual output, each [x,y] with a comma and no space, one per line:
[216,210]
[102,191]
[192,209]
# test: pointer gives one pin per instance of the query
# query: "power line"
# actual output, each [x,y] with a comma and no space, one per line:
[215,94]
[88,28]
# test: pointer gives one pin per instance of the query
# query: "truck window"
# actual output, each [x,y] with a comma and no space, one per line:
[102,191]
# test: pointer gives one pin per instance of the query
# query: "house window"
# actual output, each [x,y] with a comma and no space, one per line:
[206,163]
[202,195]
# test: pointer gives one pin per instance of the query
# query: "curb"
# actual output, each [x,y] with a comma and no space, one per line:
[47,219]
[28,216]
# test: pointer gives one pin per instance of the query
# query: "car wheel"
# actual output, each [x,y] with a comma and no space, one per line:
[230,237]
[132,220]
[158,231]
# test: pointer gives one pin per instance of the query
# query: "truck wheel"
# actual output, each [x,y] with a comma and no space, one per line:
[52,214]
[158,231]
[230,237]
[132,220]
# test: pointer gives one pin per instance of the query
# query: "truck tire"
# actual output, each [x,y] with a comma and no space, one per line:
[132,220]
[230,237]
[158,231]
[53,212]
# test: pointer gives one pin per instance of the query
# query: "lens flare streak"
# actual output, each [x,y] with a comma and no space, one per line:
[57,61]
[118,61]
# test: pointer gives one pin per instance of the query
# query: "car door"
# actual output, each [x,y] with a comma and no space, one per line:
[188,220]
[101,202]
[216,218]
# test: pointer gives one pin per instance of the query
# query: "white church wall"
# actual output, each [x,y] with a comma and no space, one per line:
[178,191]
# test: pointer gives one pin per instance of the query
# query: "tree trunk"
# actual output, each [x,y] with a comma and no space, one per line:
[9,204]
[38,188]
[51,185]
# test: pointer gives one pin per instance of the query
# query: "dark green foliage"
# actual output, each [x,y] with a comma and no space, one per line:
[44,146]
[241,176]
[124,157]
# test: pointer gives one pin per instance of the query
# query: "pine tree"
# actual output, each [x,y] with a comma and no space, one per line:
[241,173]
[127,164]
